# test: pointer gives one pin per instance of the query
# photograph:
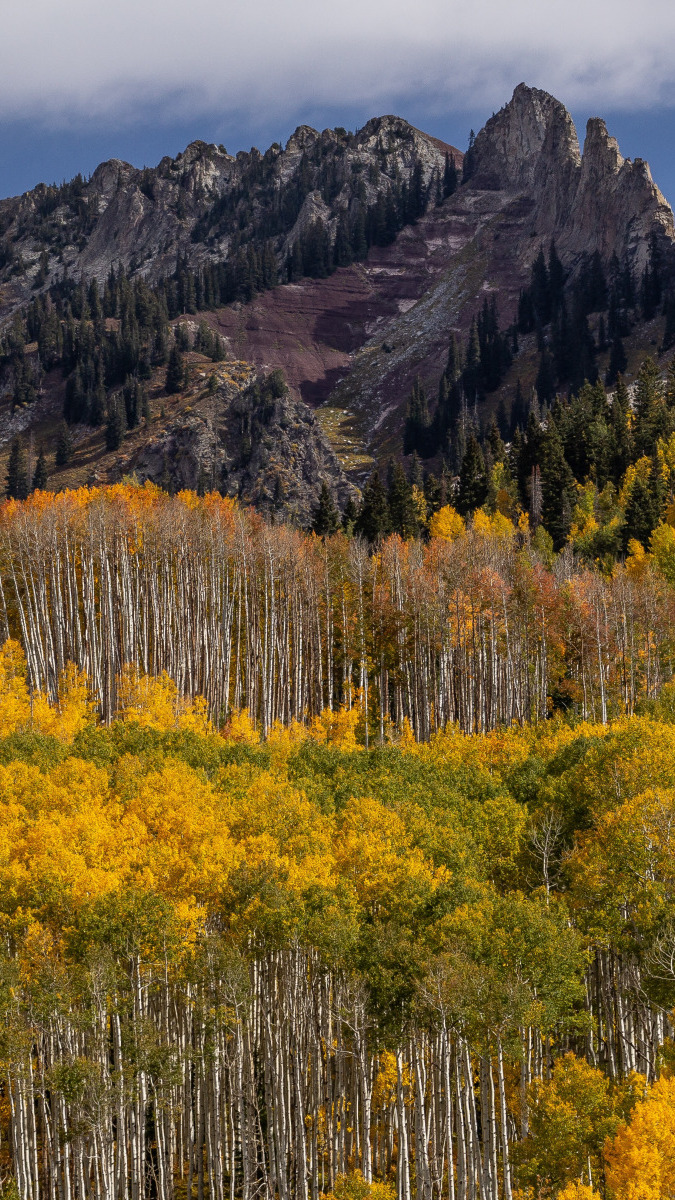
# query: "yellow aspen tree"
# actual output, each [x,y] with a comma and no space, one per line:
[640,1159]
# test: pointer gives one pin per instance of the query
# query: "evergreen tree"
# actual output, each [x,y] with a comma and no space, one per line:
[75,405]
[563,343]
[97,406]
[643,510]
[649,408]
[526,314]
[217,353]
[503,422]
[592,286]
[316,250]
[494,350]
[373,521]
[401,508]
[165,480]
[433,493]
[133,402]
[417,425]
[64,445]
[541,290]
[558,489]
[582,351]
[326,518]
[524,457]
[450,176]
[40,472]
[416,472]
[545,385]
[174,371]
[350,517]
[494,442]
[453,368]
[275,384]
[652,280]
[669,327]
[436,187]
[602,335]
[669,394]
[468,163]
[556,279]
[471,377]
[472,489]
[295,262]
[519,410]
[17,473]
[359,241]
[417,196]
[115,425]
[342,248]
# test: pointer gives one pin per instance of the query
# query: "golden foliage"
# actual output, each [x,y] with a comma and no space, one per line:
[354,1187]
[153,702]
[640,1160]
[446,524]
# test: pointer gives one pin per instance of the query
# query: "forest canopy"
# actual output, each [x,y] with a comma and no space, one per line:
[328,869]
[296,966]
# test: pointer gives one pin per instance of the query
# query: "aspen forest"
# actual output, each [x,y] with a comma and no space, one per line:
[476,629]
[331,870]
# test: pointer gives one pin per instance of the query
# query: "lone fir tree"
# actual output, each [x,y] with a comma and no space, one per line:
[175,373]
[17,473]
[326,519]
[40,472]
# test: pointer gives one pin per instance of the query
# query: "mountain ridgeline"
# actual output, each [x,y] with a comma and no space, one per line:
[417,298]
[319,203]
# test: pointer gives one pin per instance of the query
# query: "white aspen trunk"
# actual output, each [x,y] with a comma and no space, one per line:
[403,1163]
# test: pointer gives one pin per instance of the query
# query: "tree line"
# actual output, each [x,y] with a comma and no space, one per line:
[556,308]
[592,470]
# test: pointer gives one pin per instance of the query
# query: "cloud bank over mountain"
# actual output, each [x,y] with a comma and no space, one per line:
[78,61]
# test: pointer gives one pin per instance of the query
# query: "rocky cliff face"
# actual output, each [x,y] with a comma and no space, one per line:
[591,201]
[263,448]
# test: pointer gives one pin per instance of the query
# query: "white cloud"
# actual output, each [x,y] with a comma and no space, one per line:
[64,60]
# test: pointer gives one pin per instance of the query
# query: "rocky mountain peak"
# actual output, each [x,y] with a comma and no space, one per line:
[302,139]
[595,201]
[108,175]
[532,129]
[601,151]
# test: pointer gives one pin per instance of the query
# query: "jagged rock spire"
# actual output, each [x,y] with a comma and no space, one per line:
[595,201]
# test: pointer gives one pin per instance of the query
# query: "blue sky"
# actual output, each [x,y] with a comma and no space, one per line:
[80,83]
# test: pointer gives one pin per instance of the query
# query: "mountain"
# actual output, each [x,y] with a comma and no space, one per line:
[205,206]
[352,262]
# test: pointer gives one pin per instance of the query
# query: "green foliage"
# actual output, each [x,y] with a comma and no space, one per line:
[38,749]
[570,1117]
